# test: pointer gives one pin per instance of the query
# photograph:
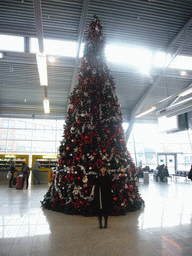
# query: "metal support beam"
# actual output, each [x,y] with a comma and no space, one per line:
[39,24]
[141,102]
[79,41]
[39,28]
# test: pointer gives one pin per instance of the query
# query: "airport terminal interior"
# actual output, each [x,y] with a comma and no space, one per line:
[85,83]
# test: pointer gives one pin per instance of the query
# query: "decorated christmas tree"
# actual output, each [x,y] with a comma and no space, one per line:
[93,135]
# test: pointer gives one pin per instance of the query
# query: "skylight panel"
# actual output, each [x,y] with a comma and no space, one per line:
[11,43]
[133,56]
[55,47]
[182,62]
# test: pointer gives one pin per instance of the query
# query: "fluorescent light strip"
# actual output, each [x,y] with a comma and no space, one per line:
[46,106]
[42,68]
[186,92]
[145,112]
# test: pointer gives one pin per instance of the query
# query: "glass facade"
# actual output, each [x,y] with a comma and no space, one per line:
[147,145]
[28,136]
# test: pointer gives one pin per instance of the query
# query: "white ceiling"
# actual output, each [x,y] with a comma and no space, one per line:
[153,24]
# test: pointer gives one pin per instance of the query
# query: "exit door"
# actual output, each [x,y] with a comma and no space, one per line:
[169,160]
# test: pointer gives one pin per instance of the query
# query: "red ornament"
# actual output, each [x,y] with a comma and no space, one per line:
[94,154]
[86,137]
[121,175]
[79,122]
[115,199]
[108,131]
[86,191]
[104,150]
[67,148]
[130,188]
[95,107]
[79,178]
[91,91]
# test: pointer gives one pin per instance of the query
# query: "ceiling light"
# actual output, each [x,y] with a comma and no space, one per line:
[42,68]
[46,106]
[179,108]
[145,112]
[51,59]
[186,92]
[183,73]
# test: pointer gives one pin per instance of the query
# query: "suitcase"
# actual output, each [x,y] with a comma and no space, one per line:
[19,180]
[14,181]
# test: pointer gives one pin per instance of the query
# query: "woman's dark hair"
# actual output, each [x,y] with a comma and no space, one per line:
[103,165]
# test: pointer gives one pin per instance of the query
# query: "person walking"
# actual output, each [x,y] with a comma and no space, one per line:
[103,195]
[12,170]
[35,171]
[26,172]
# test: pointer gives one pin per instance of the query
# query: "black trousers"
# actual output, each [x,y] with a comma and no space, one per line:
[25,177]
[11,179]
[101,213]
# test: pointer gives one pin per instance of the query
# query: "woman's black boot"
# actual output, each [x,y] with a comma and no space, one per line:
[106,220]
[100,222]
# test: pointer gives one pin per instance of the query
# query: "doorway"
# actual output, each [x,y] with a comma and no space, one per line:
[168,159]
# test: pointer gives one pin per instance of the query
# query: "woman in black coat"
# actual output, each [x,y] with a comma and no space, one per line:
[12,170]
[103,195]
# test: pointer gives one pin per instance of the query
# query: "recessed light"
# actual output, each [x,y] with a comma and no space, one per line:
[183,73]
[51,59]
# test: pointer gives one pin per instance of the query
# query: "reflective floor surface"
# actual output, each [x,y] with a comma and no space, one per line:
[163,227]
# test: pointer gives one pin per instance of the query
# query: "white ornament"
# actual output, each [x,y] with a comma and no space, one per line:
[94,71]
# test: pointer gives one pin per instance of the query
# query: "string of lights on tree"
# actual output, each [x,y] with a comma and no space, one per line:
[93,135]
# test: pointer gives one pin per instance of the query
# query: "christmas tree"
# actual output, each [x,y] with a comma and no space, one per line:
[93,134]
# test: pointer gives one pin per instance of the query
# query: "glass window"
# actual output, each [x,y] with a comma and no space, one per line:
[2,147]
[20,148]
[5,123]
[20,124]
[4,135]
[55,47]
[59,135]
[60,124]
[11,43]
[10,147]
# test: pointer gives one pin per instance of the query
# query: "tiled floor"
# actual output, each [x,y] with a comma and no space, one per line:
[163,227]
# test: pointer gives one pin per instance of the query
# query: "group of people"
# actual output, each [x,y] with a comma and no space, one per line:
[162,172]
[25,171]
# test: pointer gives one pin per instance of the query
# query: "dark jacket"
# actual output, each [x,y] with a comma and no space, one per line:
[103,194]
[190,174]
[25,169]
[12,169]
